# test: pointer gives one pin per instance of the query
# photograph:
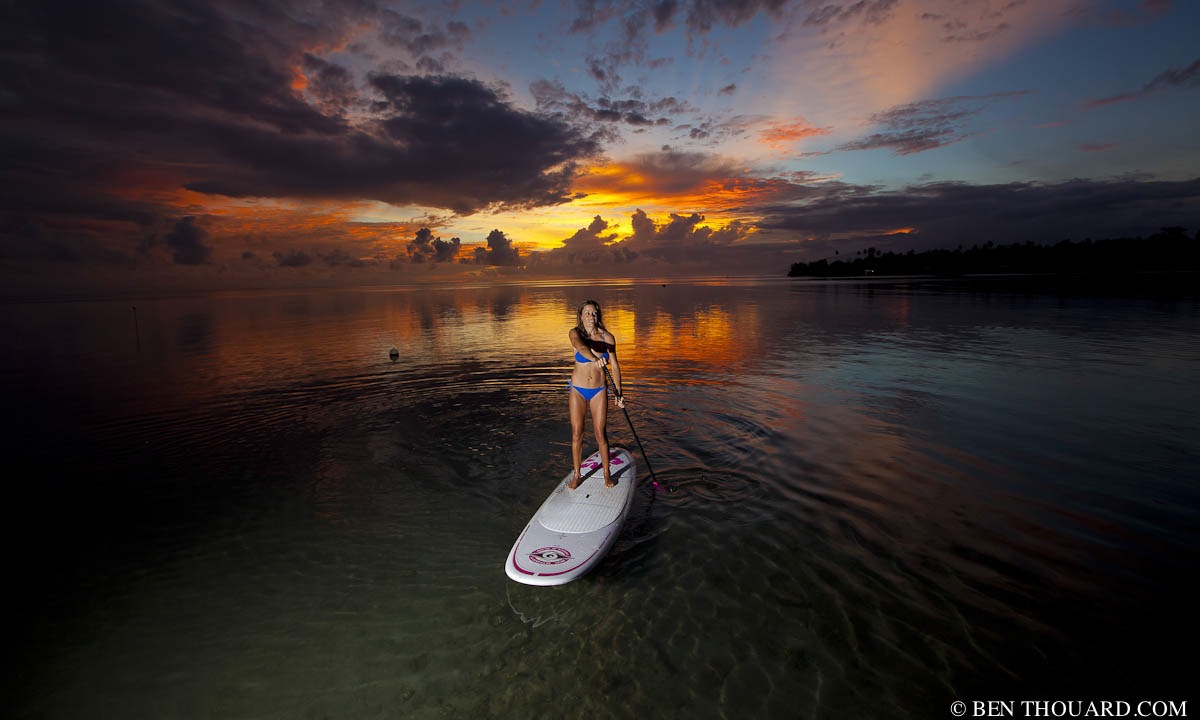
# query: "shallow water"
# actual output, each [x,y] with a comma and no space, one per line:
[888,496]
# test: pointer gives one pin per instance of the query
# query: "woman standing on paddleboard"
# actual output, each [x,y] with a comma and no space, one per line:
[595,348]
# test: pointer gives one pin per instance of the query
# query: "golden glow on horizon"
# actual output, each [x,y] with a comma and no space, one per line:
[614,191]
[264,231]
[624,188]
[374,232]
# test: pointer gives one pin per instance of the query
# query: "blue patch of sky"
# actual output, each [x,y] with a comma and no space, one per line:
[1052,134]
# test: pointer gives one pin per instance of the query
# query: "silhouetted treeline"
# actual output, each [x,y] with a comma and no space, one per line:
[1169,250]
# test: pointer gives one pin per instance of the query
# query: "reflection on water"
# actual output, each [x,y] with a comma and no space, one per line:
[888,497]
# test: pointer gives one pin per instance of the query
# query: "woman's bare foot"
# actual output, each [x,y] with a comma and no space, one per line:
[574,482]
[608,482]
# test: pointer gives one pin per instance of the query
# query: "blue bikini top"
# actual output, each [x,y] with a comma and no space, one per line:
[580,358]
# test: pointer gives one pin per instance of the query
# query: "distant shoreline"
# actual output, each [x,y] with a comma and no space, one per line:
[1168,260]
[1141,283]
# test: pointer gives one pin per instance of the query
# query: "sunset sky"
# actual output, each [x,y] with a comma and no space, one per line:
[188,144]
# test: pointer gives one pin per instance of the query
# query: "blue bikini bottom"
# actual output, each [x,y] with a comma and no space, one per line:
[586,393]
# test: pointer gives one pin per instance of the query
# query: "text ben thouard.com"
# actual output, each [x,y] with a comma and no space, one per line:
[1069,708]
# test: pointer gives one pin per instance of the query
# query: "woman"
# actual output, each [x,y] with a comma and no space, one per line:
[595,349]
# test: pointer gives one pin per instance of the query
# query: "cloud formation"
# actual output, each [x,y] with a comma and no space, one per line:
[947,214]
[209,138]
[925,125]
[553,98]
[1169,79]
[499,251]
[227,100]
[426,247]
[681,238]
[187,243]
[681,241]
[589,244]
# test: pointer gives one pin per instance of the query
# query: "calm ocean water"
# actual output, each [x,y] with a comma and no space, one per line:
[889,496]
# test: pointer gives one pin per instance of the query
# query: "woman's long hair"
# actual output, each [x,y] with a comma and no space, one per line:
[583,335]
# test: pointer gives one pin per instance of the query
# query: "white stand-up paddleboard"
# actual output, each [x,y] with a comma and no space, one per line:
[573,529]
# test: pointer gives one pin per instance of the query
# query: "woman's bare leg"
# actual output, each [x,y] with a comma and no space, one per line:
[599,407]
[578,409]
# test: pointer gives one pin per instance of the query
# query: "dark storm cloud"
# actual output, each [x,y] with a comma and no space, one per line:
[445,142]
[455,143]
[445,250]
[924,125]
[29,188]
[236,99]
[331,85]
[186,242]
[104,66]
[499,251]
[1172,78]
[591,238]
[69,241]
[952,214]
[681,238]
[425,247]
[292,258]
[339,257]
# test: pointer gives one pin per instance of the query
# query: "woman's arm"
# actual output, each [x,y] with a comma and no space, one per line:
[579,345]
[583,349]
[613,365]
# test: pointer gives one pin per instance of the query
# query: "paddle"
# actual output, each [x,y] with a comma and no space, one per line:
[668,485]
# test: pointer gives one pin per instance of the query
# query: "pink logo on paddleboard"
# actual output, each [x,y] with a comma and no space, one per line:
[614,460]
[550,556]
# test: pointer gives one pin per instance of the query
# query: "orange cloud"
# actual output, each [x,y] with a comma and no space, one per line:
[677,183]
[299,80]
[780,135]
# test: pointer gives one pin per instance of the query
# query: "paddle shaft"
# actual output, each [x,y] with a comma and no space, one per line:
[646,457]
